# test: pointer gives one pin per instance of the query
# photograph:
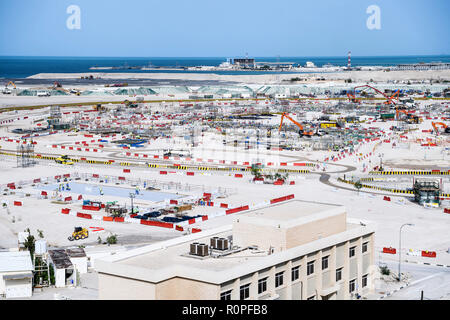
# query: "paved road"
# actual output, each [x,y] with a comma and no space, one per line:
[434,281]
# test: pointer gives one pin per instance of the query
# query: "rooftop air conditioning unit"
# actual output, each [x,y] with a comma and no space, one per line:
[202,250]
[194,246]
[222,244]
[199,249]
[213,242]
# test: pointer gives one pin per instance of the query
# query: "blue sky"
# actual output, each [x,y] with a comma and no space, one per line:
[211,28]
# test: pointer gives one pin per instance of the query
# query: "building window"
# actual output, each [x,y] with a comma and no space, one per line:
[310,268]
[225,295]
[262,285]
[279,279]
[364,281]
[312,298]
[245,291]
[352,286]
[365,247]
[338,274]
[325,262]
[295,273]
[352,251]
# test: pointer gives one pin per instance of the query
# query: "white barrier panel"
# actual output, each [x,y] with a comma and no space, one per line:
[96,217]
[127,219]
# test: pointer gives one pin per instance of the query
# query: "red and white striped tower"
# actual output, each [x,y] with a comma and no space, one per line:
[349,63]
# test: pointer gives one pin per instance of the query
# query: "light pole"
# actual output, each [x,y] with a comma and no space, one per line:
[132,195]
[400,249]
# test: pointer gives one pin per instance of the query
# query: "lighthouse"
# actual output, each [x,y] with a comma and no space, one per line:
[349,62]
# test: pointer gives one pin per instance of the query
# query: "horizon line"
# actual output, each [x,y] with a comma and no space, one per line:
[226,57]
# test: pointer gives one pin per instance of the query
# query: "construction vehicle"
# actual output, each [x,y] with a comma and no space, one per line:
[64,160]
[389,100]
[100,108]
[436,124]
[302,130]
[352,98]
[79,233]
[59,87]
[6,90]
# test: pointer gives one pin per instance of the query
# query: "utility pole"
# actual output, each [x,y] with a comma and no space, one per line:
[400,249]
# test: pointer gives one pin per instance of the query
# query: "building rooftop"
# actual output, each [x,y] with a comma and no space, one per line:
[15,261]
[60,258]
[76,252]
[168,259]
[291,213]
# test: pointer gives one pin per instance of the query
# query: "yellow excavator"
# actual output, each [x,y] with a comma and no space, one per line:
[79,233]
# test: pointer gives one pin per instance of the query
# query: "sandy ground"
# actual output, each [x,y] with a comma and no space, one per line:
[263,78]
[430,230]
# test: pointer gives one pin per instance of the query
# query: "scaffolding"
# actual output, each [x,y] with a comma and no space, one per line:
[25,155]
[427,191]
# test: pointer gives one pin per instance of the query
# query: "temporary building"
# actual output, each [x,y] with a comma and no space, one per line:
[65,274]
[16,274]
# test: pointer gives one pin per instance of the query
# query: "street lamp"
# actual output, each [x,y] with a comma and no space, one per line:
[132,196]
[400,249]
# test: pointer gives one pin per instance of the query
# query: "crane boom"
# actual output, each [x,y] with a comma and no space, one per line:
[285,115]
[384,95]
[14,85]
[435,124]
[302,129]
[396,93]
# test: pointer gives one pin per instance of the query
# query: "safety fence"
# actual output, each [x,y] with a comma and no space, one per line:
[64,195]
[217,161]
[180,226]
[417,173]
[377,188]
[442,196]
[358,155]
[167,166]
[411,252]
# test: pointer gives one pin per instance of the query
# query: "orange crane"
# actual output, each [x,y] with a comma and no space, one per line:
[8,91]
[398,111]
[14,85]
[389,99]
[302,129]
[435,124]
[396,93]
[352,98]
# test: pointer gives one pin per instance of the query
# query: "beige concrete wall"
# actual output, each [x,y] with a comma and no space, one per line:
[315,230]
[186,289]
[247,234]
[119,288]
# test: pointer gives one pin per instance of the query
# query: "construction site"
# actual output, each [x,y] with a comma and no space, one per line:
[105,170]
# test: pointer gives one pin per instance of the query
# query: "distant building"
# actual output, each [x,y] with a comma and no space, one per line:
[424,66]
[295,250]
[16,274]
[244,62]
[310,64]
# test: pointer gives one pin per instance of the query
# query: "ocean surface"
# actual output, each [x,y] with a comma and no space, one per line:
[22,67]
